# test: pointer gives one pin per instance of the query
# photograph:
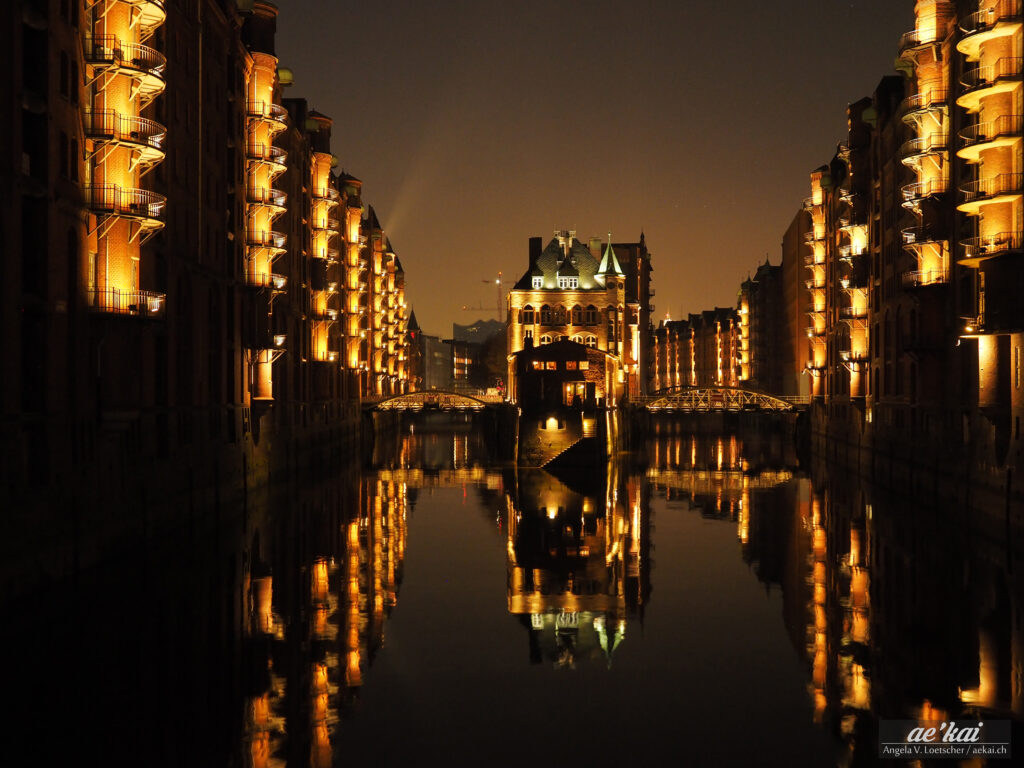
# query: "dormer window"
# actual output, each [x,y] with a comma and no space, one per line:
[538,282]
[568,283]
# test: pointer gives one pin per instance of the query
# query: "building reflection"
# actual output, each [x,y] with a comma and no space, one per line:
[319,600]
[578,562]
[898,611]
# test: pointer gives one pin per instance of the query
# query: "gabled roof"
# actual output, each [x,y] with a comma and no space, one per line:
[567,269]
[550,260]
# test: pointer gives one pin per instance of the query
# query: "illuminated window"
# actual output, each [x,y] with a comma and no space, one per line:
[570,365]
[545,339]
[538,365]
[592,341]
[578,339]
[551,365]
[568,282]
[584,365]
[538,282]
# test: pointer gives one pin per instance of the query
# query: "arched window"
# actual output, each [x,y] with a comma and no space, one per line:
[545,339]
[592,341]
[578,339]
[560,316]
[577,315]
[545,315]
[590,315]
[527,315]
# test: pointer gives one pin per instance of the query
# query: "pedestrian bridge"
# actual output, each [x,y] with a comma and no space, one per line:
[432,400]
[715,399]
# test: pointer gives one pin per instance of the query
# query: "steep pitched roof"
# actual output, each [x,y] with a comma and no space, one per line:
[609,262]
[551,259]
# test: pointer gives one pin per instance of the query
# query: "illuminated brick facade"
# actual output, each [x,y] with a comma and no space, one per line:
[582,293]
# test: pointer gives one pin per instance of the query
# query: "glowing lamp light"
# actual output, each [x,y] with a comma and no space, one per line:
[279,339]
[154,304]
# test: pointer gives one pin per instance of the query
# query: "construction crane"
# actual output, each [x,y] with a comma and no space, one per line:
[498,308]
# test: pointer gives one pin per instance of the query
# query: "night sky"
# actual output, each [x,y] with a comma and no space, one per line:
[475,125]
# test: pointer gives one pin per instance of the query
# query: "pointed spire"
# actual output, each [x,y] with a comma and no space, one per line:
[609,262]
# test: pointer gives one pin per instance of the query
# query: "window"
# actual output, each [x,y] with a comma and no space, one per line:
[578,339]
[551,365]
[590,315]
[545,339]
[559,316]
[577,315]
[527,315]
[570,365]
[568,282]
[545,315]
[538,282]
[584,365]
[538,365]
[592,341]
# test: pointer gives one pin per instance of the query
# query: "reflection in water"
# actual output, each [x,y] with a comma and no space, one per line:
[315,630]
[577,563]
[263,644]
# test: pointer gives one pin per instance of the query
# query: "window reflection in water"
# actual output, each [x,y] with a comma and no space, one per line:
[578,554]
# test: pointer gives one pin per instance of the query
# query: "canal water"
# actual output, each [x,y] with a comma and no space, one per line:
[705,601]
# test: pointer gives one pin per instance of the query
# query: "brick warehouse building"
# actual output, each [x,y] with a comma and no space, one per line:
[194,288]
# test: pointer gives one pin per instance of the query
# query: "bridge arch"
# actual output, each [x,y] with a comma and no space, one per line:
[434,399]
[704,399]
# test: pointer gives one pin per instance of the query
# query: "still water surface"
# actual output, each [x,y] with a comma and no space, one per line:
[701,603]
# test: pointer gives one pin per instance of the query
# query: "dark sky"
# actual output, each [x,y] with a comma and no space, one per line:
[475,125]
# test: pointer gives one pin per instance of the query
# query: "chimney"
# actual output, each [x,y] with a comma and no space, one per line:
[536,247]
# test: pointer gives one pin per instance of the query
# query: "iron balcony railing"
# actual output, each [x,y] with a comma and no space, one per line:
[1005,10]
[326,223]
[326,193]
[111,198]
[139,303]
[330,254]
[267,153]
[267,239]
[925,145]
[266,196]
[983,189]
[109,50]
[981,77]
[926,100]
[925,277]
[982,133]
[267,280]
[108,124]
[916,38]
[992,245]
[920,235]
[267,110]
[922,189]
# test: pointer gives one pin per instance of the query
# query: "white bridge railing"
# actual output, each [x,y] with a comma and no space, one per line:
[707,399]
